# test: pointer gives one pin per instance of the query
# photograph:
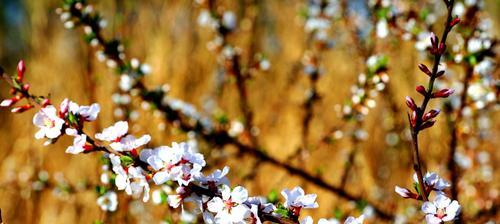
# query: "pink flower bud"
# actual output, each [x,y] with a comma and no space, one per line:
[45,102]
[455,21]
[424,69]
[443,93]
[427,124]
[431,114]
[21,109]
[413,119]
[21,68]
[26,87]
[421,89]
[10,102]
[405,193]
[411,103]
[434,40]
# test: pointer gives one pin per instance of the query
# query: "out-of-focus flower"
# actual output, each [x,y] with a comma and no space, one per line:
[108,201]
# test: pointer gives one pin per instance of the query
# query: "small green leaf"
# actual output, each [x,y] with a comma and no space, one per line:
[272,197]
[126,160]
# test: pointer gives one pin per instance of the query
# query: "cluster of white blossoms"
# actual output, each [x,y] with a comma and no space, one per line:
[441,209]
[134,171]
[320,15]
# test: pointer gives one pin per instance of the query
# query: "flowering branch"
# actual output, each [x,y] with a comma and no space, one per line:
[180,114]
[418,120]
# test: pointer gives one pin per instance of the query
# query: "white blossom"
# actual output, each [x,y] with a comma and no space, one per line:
[108,201]
[442,209]
[230,208]
[296,198]
[49,123]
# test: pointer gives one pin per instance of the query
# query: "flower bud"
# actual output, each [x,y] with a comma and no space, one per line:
[434,40]
[424,69]
[26,87]
[431,114]
[427,124]
[440,73]
[10,102]
[413,118]
[421,89]
[443,93]
[455,21]
[411,103]
[21,68]
[405,193]
[21,109]
[45,102]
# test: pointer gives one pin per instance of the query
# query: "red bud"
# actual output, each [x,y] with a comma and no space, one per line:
[21,109]
[455,21]
[431,114]
[10,102]
[421,89]
[443,93]
[45,102]
[26,87]
[424,69]
[21,68]
[411,103]
[427,124]
[413,119]
[439,74]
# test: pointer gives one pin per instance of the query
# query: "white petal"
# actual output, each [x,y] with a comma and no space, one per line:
[215,205]
[239,194]
[429,208]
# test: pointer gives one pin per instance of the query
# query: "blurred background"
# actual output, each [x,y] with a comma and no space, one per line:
[166,35]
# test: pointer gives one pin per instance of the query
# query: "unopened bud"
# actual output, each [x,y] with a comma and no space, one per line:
[26,87]
[45,102]
[21,68]
[431,114]
[413,118]
[443,93]
[21,108]
[439,74]
[421,89]
[455,21]
[9,102]
[411,103]
[427,124]
[424,69]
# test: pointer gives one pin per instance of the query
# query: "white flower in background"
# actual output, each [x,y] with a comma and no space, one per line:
[113,133]
[307,220]
[442,209]
[79,142]
[229,20]
[353,220]
[230,208]
[328,221]
[382,29]
[108,201]
[126,82]
[315,24]
[236,128]
[296,198]
[434,181]
[49,123]
[423,41]
[474,45]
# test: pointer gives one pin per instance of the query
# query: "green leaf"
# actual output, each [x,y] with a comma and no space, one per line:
[101,190]
[337,213]
[98,222]
[126,160]
[361,204]
[272,197]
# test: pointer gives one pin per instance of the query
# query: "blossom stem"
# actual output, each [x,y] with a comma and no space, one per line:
[421,110]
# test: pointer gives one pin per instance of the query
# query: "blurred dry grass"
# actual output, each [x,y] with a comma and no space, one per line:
[165,35]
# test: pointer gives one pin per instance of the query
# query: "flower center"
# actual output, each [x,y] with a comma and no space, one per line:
[48,123]
[441,213]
